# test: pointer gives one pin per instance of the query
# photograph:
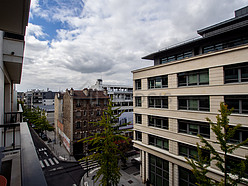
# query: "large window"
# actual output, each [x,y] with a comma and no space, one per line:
[159,142]
[194,128]
[158,101]
[228,44]
[138,102]
[239,103]
[186,177]
[176,57]
[236,73]
[138,84]
[200,103]
[200,77]
[138,118]
[191,151]
[158,171]
[158,82]
[138,135]
[160,122]
[235,163]
[240,135]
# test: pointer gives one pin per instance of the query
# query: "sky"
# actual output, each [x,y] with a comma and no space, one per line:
[72,43]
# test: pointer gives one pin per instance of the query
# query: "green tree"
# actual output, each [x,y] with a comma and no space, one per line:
[105,148]
[233,172]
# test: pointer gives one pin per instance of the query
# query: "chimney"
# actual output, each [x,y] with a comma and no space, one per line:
[71,92]
[86,92]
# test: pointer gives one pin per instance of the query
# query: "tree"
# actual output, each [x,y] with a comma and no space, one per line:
[233,172]
[105,148]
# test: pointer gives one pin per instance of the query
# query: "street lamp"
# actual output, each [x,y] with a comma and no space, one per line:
[87,164]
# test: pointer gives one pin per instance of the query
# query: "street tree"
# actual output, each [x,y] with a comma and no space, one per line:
[234,172]
[105,146]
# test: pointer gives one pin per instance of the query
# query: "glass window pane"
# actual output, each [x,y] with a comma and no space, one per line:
[192,79]
[152,178]
[182,127]
[193,129]
[244,74]
[159,171]
[182,80]
[244,106]
[203,78]
[193,153]
[165,81]
[182,104]
[183,150]
[233,103]
[165,144]
[231,75]
[193,104]
[153,160]
[205,131]
[159,143]
[158,82]
[158,180]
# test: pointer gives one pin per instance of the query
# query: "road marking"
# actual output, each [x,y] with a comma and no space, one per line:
[47,164]
[56,161]
[51,161]
[45,153]
[42,165]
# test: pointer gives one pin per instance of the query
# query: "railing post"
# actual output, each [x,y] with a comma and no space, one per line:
[13,137]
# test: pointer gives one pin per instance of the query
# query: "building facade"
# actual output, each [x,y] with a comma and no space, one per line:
[187,84]
[74,112]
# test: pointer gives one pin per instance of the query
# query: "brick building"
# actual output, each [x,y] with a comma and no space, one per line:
[74,110]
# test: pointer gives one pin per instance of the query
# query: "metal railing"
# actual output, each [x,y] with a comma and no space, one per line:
[9,144]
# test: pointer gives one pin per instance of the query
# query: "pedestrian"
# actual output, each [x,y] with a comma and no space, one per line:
[60,143]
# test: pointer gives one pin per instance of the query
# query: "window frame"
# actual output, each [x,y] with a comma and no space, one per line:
[158,102]
[164,122]
[138,101]
[189,99]
[155,80]
[241,100]
[138,135]
[157,140]
[138,118]
[138,85]
[239,68]
[187,75]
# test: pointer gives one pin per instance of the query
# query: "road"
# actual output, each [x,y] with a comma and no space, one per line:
[56,172]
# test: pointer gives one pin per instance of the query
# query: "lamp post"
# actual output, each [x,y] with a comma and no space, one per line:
[87,164]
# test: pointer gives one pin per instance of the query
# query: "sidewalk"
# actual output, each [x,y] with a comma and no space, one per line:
[58,149]
[129,176]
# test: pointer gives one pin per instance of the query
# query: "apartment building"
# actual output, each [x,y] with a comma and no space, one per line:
[187,84]
[19,163]
[74,112]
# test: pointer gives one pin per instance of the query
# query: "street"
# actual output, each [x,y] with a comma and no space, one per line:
[56,172]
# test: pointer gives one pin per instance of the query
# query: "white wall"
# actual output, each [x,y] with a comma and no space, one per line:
[1,80]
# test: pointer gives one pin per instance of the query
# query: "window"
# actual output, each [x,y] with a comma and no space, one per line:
[191,151]
[186,177]
[235,163]
[159,142]
[200,103]
[236,73]
[138,119]
[200,77]
[98,113]
[78,103]
[239,103]
[138,102]
[85,123]
[158,171]
[194,128]
[138,84]
[176,57]
[158,101]
[78,114]
[138,135]
[240,135]
[158,82]
[85,113]
[78,125]
[159,122]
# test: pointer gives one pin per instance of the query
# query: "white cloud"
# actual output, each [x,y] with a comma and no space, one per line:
[107,38]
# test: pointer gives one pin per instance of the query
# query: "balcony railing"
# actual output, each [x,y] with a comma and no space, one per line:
[16,145]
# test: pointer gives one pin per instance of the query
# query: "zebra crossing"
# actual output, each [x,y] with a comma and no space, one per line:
[48,162]
[91,164]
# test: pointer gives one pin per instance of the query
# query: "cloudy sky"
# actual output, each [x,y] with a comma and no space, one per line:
[71,43]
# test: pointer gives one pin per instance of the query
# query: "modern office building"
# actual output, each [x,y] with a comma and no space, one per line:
[74,112]
[122,96]
[19,162]
[187,84]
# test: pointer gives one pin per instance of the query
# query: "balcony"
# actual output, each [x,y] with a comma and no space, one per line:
[19,163]
[13,47]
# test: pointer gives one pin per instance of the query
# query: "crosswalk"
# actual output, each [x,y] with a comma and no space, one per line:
[91,164]
[48,162]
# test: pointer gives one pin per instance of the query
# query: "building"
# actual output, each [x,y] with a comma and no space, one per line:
[186,84]
[49,112]
[122,98]
[74,112]
[19,163]
[36,97]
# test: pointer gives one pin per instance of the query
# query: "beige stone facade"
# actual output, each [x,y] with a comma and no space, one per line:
[180,101]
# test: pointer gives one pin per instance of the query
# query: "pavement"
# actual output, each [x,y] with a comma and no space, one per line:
[130,175]
[58,148]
